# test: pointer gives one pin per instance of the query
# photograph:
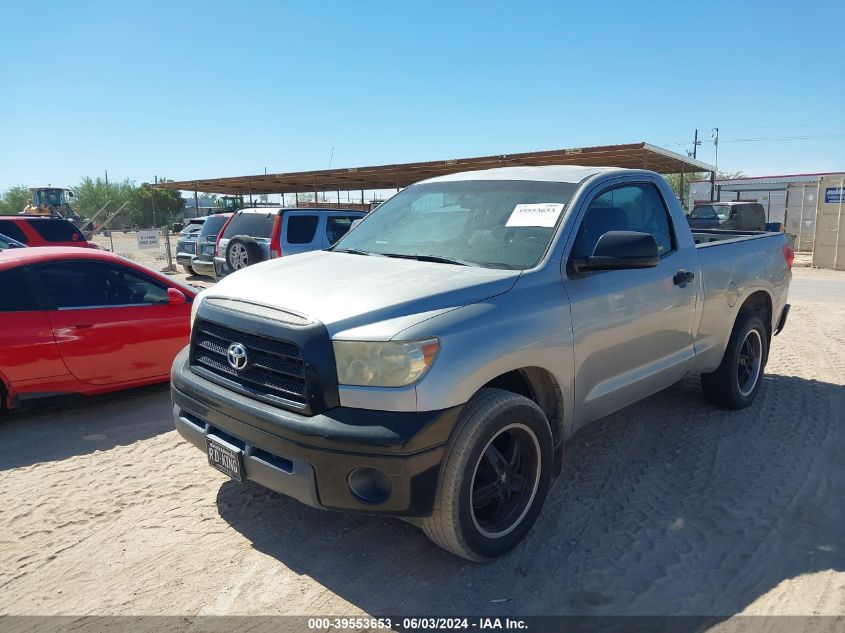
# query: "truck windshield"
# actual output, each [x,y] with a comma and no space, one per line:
[711,212]
[496,224]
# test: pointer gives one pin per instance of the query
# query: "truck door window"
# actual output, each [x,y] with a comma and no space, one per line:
[626,208]
[301,228]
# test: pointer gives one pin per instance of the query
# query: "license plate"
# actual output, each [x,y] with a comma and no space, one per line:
[225,459]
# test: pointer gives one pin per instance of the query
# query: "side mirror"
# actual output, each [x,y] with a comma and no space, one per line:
[620,250]
[175,297]
[355,223]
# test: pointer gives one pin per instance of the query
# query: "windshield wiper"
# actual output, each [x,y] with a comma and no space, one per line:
[431,258]
[353,251]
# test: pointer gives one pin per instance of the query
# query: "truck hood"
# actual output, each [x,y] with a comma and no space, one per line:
[363,297]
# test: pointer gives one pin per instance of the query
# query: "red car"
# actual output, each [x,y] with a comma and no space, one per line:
[34,230]
[80,320]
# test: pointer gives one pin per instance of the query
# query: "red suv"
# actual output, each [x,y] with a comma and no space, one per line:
[33,230]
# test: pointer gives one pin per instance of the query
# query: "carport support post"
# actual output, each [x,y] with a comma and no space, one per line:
[816,225]
[838,224]
[170,267]
[801,215]
[683,204]
[196,202]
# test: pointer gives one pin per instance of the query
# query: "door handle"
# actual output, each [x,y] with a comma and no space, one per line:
[683,277]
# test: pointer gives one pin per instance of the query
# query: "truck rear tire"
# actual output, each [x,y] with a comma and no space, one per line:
[737,380]
[494,478]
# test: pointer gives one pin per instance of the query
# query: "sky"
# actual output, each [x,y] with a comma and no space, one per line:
[210,89]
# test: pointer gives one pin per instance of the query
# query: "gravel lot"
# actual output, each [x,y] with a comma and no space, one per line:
[670,506]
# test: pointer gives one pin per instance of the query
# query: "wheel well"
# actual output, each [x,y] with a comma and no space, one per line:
[538,385]
[759,303]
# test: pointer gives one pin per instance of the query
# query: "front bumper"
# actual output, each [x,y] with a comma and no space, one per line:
[312,458]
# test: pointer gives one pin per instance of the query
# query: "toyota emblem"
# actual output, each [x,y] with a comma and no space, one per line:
[237,357]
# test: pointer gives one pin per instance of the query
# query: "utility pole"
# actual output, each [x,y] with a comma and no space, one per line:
[107,178]
[714,134]
[153,200]
[695,145]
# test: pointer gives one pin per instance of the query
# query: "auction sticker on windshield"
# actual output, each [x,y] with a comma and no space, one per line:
[544,214]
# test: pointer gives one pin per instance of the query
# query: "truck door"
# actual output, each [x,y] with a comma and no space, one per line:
[632,328]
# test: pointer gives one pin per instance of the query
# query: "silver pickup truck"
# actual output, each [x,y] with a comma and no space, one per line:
[434,363]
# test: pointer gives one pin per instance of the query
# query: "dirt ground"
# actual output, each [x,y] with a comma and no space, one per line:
[670,506]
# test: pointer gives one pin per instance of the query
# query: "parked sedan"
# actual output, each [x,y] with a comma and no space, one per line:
[85,321]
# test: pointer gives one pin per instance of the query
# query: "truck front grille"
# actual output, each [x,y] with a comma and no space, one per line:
[274,368]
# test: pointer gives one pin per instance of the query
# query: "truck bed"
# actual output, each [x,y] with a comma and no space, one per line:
[708,237]
[731,261]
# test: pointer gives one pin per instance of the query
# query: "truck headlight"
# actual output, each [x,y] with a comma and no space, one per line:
[195,306]
[388,364]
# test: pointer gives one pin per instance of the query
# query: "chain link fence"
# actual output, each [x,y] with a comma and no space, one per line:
[155,248]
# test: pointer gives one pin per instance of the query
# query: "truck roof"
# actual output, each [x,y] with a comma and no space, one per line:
[730,203]
[272,209]
[550,173]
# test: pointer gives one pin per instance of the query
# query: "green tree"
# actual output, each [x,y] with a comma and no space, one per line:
[14,199]
[157,207]
[674,181]
[91,195]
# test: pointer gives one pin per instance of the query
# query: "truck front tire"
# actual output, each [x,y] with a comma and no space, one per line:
[494,478]
[737,380]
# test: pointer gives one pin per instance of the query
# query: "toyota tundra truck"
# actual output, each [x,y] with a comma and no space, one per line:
[435,362]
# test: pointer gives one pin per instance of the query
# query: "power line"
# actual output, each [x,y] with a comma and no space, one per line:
[809,137]
[806,137]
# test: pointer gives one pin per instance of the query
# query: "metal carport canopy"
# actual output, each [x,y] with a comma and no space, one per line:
[633,155]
